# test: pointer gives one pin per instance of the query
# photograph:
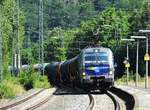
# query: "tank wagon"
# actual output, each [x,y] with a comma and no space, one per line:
[92,68]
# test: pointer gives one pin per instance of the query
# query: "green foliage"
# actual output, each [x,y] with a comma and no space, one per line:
[27,78]
[56,44]
[27,56]
[10,87]
[105,29]
[30,79]
[128,4]
[57,13]
[62,36]
[9,29]
[61,54]
[41,82]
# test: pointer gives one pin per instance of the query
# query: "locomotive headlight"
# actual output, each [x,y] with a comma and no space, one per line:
[83,74]
[110,72]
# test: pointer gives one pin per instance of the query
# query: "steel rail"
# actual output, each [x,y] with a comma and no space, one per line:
[79,90]
[20,101]
[40,103]
[115,101]
[128,98]
[117,105]
[91,104]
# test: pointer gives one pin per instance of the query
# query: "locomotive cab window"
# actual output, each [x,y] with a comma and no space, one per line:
[98,56]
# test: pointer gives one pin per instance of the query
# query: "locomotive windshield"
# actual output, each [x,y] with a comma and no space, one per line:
[97,56]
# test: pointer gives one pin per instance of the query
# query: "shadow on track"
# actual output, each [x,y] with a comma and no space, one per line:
[74,91]
[128,98]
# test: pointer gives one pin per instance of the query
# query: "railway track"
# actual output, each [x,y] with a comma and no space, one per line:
[113,96]
[121,99]
[92,101]
[91,104]
[117,104]
[28,103]
[40,103]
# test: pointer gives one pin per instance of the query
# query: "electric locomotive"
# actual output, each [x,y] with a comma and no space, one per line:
[97,68]
[92,68]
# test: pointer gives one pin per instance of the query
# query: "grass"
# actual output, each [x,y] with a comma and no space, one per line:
[11,87]
[141,81]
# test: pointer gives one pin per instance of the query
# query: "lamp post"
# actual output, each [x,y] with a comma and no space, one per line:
[146,55]
[137,56]
[127,68]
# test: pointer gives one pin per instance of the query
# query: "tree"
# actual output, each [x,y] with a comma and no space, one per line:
[56,44]
[110,24]
[8,28]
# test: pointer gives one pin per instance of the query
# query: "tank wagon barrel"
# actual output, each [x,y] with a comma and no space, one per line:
[63,72]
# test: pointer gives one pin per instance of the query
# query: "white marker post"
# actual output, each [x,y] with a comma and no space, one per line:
[137,56]
[146,57]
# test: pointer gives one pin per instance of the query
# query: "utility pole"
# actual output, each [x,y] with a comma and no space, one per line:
[29,46]
[127,64]
[62,37]
[146,57]
[137,56]
[137,63]
[146,77]
[13,41]
[1,61]
[41,43]
[18,39]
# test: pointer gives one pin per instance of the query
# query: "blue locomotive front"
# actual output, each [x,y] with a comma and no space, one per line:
[97,68]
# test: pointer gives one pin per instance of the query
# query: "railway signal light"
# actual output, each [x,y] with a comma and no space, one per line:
[146,57]
[127,65]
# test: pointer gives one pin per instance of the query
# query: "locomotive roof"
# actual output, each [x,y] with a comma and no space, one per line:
[92,49]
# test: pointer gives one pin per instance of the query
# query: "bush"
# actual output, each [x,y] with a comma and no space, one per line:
[30,79]
[13,86]
[131,78]
[10,88]
[41,82]
[26,78]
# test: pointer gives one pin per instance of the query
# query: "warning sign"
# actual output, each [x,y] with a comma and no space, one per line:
[146,57]
[127,65]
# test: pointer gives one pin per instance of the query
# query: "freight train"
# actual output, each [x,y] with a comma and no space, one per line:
[93,68]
